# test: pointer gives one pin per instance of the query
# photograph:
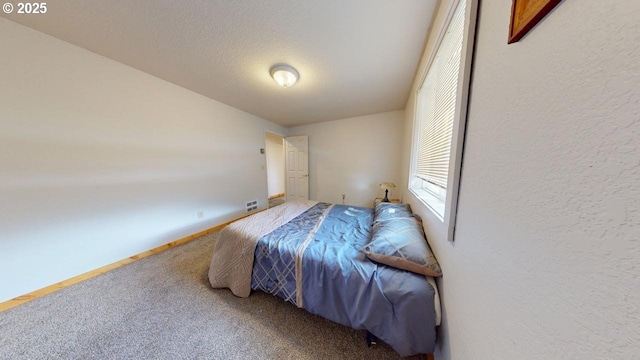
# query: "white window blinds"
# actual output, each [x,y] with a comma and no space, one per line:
[437,104]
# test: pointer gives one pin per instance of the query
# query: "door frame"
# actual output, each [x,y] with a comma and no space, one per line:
[269,166]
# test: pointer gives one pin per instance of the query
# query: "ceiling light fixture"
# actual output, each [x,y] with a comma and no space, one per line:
[284,75]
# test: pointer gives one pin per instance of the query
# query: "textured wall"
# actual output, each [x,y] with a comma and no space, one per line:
[545,263]
[353,156]
[99,161]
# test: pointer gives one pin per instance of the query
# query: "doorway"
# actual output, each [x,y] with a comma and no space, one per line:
[274,146]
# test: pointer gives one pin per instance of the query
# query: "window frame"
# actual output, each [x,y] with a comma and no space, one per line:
[446,211]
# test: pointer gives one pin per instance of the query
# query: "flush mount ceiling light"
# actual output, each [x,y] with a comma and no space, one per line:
[284,75]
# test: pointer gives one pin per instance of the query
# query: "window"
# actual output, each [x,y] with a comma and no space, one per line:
[441,105]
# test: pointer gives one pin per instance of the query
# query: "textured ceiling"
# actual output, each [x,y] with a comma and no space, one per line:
[355,57]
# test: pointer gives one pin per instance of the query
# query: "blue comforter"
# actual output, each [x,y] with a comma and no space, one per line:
[337,281]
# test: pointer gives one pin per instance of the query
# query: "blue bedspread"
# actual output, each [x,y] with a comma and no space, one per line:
[339,283]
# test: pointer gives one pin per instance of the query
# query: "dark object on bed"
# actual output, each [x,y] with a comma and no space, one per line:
[316,261]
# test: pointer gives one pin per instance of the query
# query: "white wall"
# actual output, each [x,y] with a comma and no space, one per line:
[99,161]
[275,164]
[546,256]
[353,156]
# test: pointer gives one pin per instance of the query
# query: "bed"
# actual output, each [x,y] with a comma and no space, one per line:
[320,257]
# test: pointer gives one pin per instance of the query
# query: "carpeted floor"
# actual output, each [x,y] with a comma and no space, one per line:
[162,307]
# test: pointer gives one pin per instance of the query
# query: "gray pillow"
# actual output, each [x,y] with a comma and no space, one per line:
[401,243]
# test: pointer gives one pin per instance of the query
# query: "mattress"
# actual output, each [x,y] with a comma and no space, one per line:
[311,256]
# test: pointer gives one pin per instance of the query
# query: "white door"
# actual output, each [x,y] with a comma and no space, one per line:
[297,167]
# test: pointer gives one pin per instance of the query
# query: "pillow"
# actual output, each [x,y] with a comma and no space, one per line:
[400,242]
[385,210]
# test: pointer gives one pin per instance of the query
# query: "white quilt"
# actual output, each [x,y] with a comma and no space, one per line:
[232,260]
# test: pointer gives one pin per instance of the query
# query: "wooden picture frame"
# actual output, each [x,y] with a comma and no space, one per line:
[525,14]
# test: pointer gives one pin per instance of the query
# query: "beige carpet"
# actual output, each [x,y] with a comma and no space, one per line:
[162,307]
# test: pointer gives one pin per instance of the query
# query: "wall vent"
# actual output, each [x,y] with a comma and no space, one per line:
[251,205]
